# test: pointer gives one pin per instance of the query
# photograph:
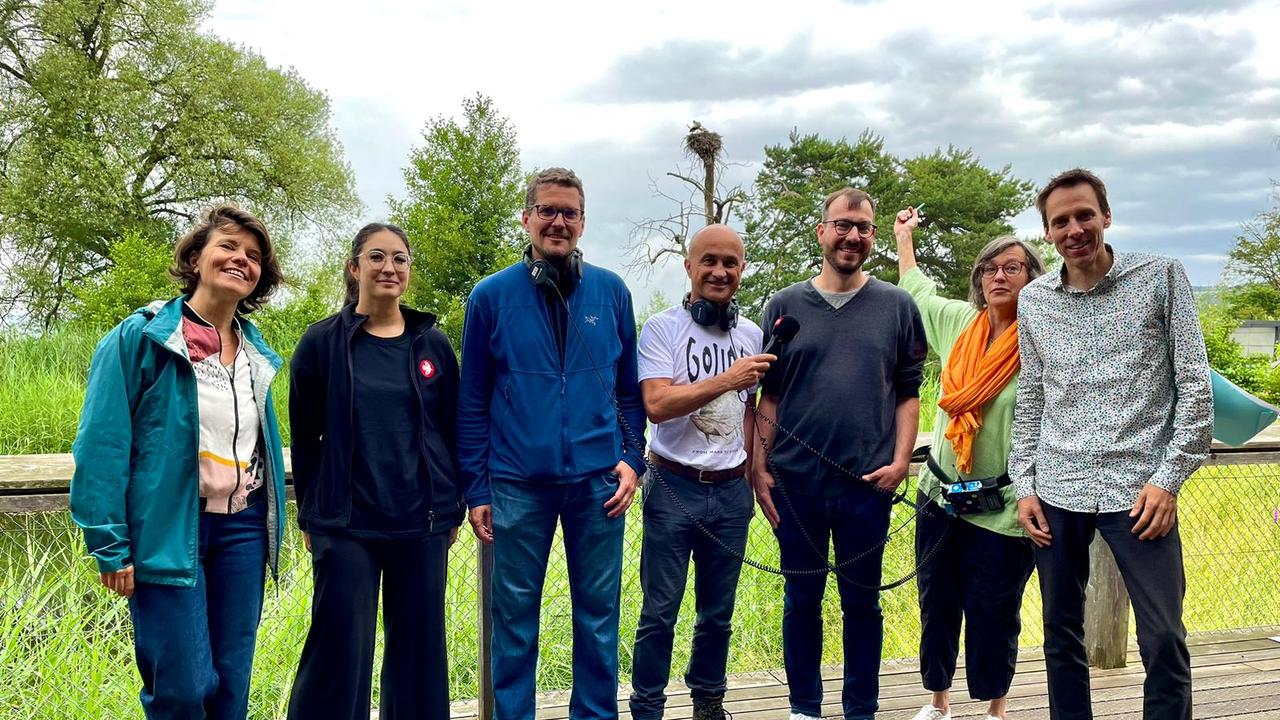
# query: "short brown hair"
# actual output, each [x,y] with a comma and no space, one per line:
[221,217]
[853,197]
[1071,178]
[553,176]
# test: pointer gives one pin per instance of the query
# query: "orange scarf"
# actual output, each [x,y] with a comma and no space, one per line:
[974,375]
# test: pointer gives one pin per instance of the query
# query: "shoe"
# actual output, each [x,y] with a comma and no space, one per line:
[710,709]
[802,716]
[929,712]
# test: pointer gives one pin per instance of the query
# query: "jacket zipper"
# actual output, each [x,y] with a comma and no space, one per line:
[351,415]
[235,432]
[424,454]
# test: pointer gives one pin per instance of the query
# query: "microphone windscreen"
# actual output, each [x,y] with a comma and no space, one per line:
[785,328]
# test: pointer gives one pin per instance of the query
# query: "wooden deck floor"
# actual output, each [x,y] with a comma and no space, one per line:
[1235,676]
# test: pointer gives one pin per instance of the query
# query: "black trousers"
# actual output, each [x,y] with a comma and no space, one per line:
[1153,574]
[977,575]
[336,670]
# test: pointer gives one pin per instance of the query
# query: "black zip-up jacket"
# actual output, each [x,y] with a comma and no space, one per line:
[321,412]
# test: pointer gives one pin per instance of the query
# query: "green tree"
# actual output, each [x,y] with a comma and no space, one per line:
[1253,301]
[120,116]
[465,192]
[138,274]
[1256,255]
[966,205]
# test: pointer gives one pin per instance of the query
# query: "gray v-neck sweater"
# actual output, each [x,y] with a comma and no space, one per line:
[838,382]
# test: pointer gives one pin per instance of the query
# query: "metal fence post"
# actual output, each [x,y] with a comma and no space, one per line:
[484,580]
[1106,609]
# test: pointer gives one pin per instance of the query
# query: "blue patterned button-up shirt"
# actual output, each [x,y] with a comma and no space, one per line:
[1114,391]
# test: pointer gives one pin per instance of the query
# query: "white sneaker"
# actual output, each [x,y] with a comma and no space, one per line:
[929,712]
[801,716]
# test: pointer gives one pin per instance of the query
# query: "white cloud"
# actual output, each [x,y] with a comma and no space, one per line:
[1175,102]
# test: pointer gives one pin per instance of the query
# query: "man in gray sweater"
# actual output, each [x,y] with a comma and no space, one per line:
[845,393]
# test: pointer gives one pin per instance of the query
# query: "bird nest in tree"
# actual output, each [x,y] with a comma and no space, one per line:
[702,143]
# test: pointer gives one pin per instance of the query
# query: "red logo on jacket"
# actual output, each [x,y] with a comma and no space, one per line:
[427,369]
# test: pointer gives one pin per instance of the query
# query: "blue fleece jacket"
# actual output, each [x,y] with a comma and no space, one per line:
[527,414]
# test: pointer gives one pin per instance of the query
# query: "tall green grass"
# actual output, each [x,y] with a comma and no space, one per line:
[41,390]
[42,381]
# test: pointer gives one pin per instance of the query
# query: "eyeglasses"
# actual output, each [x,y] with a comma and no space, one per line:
[548,212]
[1013,268]
[865,228]
[378,258]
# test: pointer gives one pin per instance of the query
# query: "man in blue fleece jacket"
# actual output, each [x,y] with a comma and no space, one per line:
[551,426]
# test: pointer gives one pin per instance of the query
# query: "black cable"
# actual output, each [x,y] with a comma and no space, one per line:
[632,438]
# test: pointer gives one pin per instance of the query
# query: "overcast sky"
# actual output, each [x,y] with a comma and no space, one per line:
[1175,103]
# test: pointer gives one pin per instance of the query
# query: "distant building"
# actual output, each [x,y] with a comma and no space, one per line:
[1258,337]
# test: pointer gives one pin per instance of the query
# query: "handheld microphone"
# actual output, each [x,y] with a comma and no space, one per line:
[784,328]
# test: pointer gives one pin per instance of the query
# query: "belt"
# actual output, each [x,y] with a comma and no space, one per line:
[254,497]
[692,473]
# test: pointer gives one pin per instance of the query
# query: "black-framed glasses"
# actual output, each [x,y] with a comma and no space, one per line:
[1013,268]
[378,258]
[865,228]
[549,212]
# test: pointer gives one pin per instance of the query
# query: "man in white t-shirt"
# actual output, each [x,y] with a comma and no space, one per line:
[699,366]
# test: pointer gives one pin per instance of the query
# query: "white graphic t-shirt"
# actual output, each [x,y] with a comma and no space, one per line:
[673,346]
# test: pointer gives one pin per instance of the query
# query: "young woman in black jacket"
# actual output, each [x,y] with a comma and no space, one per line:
[372,406]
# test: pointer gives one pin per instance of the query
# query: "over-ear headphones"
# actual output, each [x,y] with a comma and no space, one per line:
[705,312]
[544,274]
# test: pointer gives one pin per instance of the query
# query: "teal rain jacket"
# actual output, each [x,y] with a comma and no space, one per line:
[136,488]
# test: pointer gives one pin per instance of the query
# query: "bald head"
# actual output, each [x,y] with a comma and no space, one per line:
[715,263]
[718,235]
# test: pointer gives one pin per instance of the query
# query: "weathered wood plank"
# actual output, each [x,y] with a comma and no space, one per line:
[1227,668]
[20,474]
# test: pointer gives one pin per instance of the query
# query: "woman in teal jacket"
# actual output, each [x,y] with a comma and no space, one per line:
[179,481]
[974,565]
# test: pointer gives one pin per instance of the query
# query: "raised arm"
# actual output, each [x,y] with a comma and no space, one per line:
[903,227]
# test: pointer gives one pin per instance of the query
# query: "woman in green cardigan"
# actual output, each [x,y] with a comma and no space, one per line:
[981,561]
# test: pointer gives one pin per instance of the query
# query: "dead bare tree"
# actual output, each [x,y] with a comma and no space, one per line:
[653,240]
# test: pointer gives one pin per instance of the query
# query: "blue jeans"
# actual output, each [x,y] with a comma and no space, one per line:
[854,522]
[194,645]
[524,523]
[669,538]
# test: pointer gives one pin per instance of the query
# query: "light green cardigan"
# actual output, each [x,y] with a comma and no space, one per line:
[944,320]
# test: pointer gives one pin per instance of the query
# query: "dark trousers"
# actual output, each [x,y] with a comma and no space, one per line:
[977,575]
[194,645]
[1153,575]
[335,673]
[669,538]
[853,523]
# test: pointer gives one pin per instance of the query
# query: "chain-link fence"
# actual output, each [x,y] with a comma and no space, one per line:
[66,649]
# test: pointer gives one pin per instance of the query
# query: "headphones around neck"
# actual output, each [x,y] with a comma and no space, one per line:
[705,312]
[544,274]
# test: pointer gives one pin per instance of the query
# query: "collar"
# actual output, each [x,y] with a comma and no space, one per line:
[416,322]
[190,313]
[1120,263]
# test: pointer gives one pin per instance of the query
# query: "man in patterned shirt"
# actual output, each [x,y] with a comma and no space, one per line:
[1114,413]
